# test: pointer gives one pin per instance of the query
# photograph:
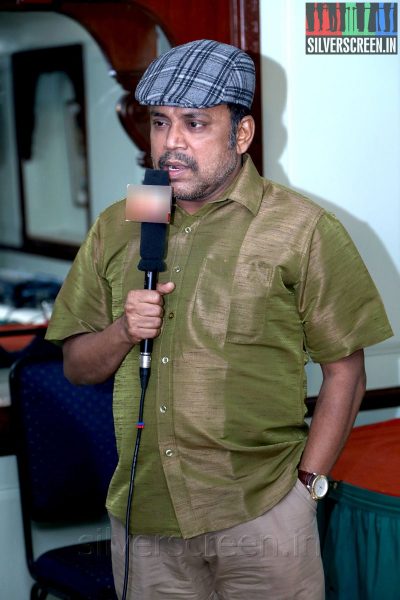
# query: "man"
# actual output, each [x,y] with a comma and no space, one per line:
[258,279]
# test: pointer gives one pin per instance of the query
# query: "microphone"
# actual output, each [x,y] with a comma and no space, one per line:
[152,207]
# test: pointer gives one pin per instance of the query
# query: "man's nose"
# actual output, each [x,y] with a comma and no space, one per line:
[175,137]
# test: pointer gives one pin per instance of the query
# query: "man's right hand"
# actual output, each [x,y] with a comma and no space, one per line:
[93,357]
[144,311]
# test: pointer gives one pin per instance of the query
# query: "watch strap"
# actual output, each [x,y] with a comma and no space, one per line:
[306,477]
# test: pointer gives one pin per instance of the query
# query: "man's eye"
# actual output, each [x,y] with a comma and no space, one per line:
[158,123]
[195,125]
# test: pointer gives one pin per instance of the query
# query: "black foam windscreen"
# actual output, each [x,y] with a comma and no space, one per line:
[155,177]
[153,235]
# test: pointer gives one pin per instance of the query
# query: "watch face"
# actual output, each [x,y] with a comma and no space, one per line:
[319,487]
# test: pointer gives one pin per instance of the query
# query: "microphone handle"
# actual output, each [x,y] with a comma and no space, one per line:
[146,346]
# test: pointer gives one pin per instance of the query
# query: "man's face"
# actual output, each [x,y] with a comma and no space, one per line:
[193,145]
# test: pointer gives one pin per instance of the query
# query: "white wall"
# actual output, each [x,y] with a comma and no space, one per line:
[332,131]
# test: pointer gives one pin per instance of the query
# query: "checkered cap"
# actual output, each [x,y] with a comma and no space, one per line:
[199,74]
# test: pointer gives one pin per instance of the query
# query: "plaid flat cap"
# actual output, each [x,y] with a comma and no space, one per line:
[199,74]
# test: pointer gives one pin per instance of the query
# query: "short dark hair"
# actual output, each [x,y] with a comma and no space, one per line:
[237,111]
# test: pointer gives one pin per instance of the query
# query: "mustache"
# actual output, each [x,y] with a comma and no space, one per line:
[188,161]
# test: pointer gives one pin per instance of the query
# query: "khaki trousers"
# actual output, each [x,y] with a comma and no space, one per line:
[275,556]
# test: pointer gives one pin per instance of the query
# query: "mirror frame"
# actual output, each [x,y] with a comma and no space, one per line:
[126,33]
[28,66]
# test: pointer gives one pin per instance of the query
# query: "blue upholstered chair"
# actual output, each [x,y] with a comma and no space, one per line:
[66,455]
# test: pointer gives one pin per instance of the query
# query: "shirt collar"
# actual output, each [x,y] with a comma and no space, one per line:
[247,188]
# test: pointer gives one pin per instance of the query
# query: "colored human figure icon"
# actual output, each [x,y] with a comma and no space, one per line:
[342,13]
[320,12]
[390,12]
[332,12]
[310,9]
[360,9]
[373,21]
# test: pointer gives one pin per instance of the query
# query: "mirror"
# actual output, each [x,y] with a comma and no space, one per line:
[50,124]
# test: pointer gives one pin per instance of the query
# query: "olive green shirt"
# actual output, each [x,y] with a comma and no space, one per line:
[264,279]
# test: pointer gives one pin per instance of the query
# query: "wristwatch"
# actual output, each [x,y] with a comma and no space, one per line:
[316,484]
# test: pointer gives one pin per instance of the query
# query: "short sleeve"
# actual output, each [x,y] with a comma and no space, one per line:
[339,305]
[83,304]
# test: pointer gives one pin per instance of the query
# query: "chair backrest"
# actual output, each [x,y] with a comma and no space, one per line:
[65,441]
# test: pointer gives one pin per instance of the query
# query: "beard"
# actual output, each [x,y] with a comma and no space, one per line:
[205,182]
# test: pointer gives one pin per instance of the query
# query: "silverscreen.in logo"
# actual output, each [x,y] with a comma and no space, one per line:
[351,27]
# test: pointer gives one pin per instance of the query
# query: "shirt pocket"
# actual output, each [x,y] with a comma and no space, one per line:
[241,302]
[211,300]
[250,297]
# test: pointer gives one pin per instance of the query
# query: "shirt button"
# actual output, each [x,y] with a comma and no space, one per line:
[171,315]
[169,452]
[177,269]
[164,360]
[163,409]
[188,229]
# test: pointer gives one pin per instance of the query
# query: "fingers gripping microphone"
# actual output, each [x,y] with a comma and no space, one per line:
[152,250]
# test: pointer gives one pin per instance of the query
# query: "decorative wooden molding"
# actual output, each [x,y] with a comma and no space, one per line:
[127,35]
[245,34]
[237,22]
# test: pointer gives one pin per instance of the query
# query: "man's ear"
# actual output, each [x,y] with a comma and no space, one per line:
[245,134]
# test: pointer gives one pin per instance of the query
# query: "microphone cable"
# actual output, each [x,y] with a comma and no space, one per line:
[146,347]
[139,429]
